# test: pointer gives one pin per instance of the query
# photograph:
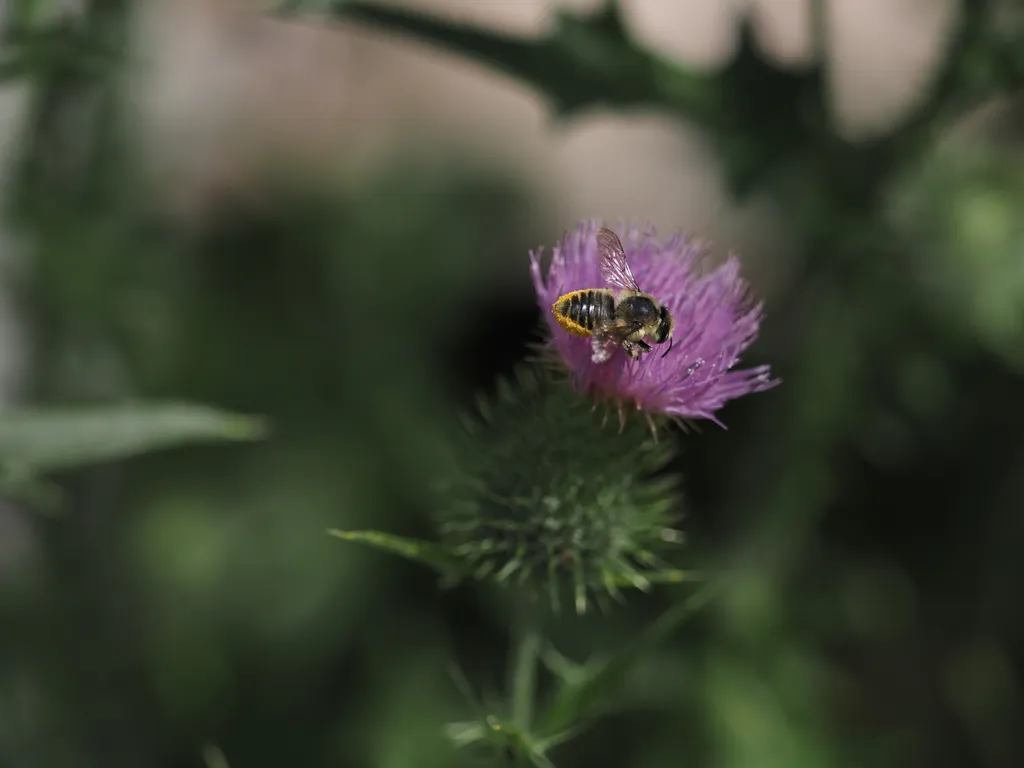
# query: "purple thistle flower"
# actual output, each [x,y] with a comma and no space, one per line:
[715,321]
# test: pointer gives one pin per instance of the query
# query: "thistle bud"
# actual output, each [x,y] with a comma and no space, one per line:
[552,497]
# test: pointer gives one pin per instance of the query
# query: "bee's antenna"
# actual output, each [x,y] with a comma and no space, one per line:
[670,342]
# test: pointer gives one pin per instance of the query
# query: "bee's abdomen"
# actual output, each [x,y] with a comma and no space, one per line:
[582,311]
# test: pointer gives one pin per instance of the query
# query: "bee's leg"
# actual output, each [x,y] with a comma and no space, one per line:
[635,348]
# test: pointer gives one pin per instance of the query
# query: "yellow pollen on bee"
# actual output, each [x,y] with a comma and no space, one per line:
[560,310]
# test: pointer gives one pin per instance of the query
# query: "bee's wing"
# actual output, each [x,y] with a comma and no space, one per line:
[604,342]
[614,268]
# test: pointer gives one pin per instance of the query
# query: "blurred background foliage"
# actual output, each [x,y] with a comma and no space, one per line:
[872,505]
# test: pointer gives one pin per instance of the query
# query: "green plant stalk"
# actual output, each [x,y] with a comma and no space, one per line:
[524,671]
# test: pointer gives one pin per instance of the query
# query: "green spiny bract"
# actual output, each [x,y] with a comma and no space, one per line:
[551,496]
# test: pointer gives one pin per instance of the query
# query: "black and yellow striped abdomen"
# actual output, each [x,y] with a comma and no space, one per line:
[580,312]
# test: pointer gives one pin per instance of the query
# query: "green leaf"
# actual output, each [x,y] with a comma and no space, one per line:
[501,737]
[586,61]
[590,61]
[38,440]
[13,67]
[586,689]
[465,733]
[33,492]
[28,13]
[665,576]
[213,757]
[760,116]
[425,552]
[787,106]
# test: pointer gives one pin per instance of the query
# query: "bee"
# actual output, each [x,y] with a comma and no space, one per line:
[622,316]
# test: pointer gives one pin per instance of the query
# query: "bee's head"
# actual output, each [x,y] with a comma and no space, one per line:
[665,323]
[665,326]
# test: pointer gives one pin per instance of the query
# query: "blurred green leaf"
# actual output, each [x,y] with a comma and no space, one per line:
[214,757]
[425,552]
[959,215]
[587,60]
[37,440]
[399,721]
[501,737]
[787,105]
[761,116]
[665,576]
[588,688]
[466,733]
[31,12]
[590,61]
[51,46]
[32,491]
[12,67]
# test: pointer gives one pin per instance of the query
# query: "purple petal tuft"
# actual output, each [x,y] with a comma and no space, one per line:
[715,321]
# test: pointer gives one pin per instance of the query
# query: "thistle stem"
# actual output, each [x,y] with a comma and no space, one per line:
[524,673]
